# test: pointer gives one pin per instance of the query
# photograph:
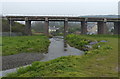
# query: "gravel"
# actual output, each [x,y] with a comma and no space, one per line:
[17,60]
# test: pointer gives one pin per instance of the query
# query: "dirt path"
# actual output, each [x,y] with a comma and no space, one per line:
[13,61]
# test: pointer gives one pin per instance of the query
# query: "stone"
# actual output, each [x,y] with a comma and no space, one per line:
[103,41]
[88,46]
[91,43]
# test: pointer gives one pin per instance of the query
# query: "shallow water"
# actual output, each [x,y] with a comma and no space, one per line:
[56,49]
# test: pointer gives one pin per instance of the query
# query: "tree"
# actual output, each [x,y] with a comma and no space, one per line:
[16,27]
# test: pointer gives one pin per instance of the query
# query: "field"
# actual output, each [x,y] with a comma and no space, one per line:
[24,44]
[100,61]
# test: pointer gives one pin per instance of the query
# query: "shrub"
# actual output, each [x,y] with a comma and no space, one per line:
[77,41]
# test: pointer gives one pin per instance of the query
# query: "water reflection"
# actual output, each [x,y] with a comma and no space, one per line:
[57,48]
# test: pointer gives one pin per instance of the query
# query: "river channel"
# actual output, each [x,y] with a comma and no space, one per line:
[55,50]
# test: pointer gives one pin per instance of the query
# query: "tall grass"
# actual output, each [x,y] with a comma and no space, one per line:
[24,44]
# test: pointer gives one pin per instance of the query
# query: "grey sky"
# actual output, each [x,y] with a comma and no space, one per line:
[60,8]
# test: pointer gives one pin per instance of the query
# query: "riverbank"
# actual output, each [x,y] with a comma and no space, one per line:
[95,63]
[23,50]
[11,62]
[24,44]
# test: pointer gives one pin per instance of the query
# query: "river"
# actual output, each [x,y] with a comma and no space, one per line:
[55,50]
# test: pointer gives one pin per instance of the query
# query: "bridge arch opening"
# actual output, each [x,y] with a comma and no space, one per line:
[38,27]
[56,28]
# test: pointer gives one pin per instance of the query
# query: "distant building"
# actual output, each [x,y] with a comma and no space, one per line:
[53,29]
[92,30]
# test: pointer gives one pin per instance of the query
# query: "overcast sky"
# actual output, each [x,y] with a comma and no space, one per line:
[59,7]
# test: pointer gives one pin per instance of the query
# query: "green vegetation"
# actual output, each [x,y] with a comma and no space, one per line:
[16,27]
[98,62]
[0,45]
[56,33]
[24,44]
[77,41]
[74,29]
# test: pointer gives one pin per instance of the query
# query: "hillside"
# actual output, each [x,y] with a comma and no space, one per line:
[102,16]
[16,27]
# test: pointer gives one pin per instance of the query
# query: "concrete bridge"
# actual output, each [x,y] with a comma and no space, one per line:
[101,22]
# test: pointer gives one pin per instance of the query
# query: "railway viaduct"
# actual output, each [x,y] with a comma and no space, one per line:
[101,22]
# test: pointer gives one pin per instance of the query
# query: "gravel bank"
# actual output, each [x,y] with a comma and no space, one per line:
[13,61]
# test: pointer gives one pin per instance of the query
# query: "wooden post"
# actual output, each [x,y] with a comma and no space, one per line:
[10,28]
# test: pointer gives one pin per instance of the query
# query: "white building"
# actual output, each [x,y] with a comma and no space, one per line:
[53,29]
[92,30]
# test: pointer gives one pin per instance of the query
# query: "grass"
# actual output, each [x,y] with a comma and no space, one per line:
[24,44]
[77,41]
[101,64]
[0,45]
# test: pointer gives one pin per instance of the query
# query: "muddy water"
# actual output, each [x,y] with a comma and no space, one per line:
[56,49]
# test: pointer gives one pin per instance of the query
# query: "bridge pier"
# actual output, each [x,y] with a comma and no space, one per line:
[46,27]
[28,28]
[65,27]
[83,27]
[102,27]
[65,31]
[11,24]
[116,27]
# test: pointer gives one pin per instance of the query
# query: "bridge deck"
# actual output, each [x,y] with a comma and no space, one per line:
[61,18]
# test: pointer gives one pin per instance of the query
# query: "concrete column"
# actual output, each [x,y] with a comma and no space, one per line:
[46,27]
[116,27]
[84,27]
[28,28]
[102,27]
[11,22]
[65,31]
[65,27]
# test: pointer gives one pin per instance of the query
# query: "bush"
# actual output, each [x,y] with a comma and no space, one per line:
[77,41]
[80,41]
